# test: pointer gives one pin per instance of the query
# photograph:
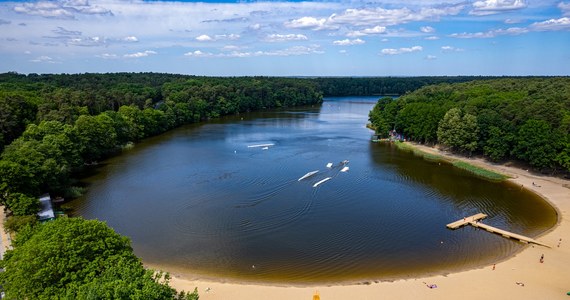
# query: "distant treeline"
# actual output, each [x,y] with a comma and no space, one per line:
[526,119]
[369,86]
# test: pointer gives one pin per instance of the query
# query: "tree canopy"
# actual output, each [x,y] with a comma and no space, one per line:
[526,119]
[73,258]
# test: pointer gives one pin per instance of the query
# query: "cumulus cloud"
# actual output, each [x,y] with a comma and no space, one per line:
[368,31]
[430,57]
[60,9]
[490,33]
[427,29]
[207,38]
[87,41]
[490,7]
[392,51]
[285,37]
[552,25]
[198,53]
[140,54]
[446,49]
[347,42]
[307,23]
[378,17]
[389,17]
[204,38]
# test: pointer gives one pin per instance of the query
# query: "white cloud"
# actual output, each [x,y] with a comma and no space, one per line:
[392,51]
[430,57]
[94,41]
[384,40]
[513,21]
[565,8]
[256,26]
[139,54]
[552,25]
[294,51]
[198,53]
[60,9]
[343,51]
[490,7]
[285,37]
[347,42]
[108,56]
[232,37]
[446,49]
[44,59]
[368,31]
[427,29]
[130,39]
[207,38]
[291,51]
[307,23]
[231,48]
[490,33]
[432,38]
[204,38]
[389,17]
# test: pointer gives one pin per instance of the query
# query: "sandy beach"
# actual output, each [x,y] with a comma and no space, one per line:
[522,276]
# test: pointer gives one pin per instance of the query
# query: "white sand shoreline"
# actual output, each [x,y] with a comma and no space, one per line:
[548,280]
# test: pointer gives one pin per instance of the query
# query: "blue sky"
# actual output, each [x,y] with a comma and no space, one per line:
[287,38]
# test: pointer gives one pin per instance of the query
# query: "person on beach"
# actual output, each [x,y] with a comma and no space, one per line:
[542,258]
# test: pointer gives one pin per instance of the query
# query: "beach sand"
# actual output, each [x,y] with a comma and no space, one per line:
[548,280]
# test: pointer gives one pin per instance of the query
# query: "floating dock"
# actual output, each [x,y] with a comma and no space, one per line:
[318,183]
[474,221]
[308,175]
[260,145]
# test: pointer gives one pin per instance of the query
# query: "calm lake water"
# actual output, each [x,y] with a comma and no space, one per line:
[199,201]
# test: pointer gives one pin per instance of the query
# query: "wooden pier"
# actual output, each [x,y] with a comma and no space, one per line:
[475,222]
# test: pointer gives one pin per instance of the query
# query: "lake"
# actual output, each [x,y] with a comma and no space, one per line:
[201,201]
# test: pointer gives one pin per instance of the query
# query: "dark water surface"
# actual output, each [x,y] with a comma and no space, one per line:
[199,201]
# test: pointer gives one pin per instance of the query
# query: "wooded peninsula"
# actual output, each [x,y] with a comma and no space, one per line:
[53,126]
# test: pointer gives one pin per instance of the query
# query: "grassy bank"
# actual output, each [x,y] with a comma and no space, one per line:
[475,170]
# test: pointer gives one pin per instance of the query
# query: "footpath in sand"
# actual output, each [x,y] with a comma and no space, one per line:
[520,277]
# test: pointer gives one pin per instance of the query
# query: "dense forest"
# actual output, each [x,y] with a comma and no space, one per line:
[369,86]
[524,119]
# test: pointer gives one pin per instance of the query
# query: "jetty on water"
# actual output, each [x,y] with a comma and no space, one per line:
[474,221]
